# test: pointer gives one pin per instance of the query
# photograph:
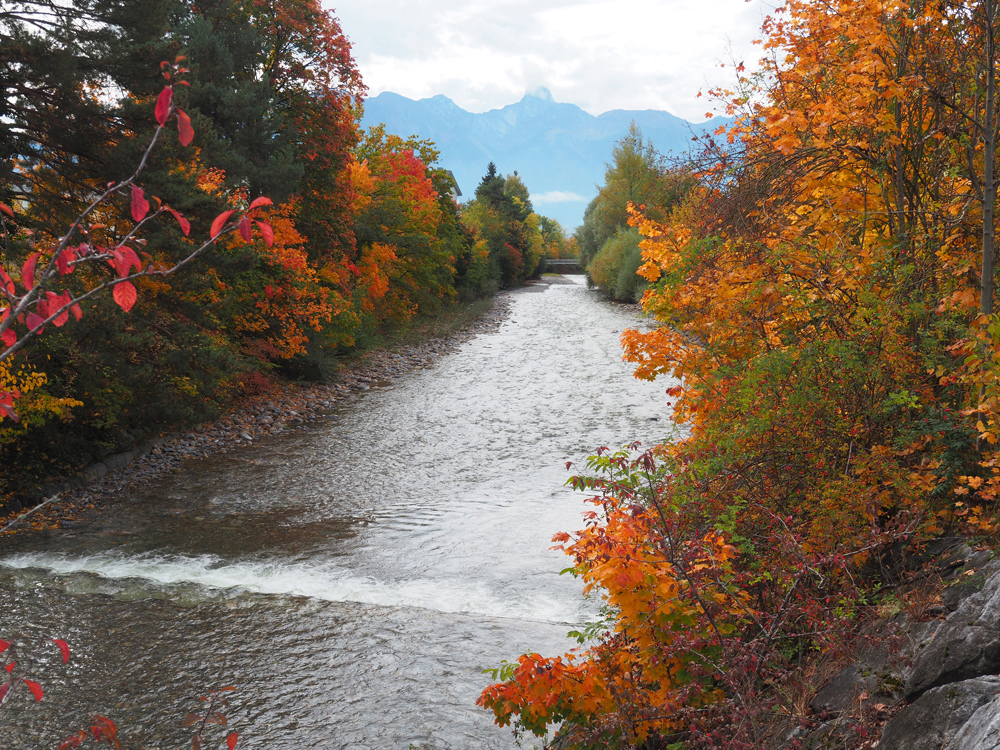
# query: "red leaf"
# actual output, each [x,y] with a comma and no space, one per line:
[267,232]
[28,272]
[4,645]
[7,281]
[125,295]
[185,224]
[245,228]
[63,647]
[77,312]
[9,337]
[231,740]
[7,409]
[163,104]
[35,688]
[196,742]
[190,720]
[6,209]
[3,691]
[34,322]
[57,302]
[140,206]
[125,259]
[64,261]
[184,130]
[220,221]
[43,306]
[262,201]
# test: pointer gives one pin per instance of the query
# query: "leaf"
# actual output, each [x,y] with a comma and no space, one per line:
[184,130]
[266,232]
[261,201]
[59,302]
[220,221]
[7,210]
[196,742]
[7,281]
[3,690]
[163,104]
[190,720]
[185,224]
[245,225]
[63,648]
[9,337]
[140,206]
[65,260]
[125,295]
[77,312]
[34,322]
[125,260]
[28,271]
[4,645]
[35,688]
[231,740]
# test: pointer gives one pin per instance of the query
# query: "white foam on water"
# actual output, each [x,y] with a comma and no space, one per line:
[318,581]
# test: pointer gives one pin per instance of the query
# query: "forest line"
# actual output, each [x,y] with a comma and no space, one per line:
[367,234]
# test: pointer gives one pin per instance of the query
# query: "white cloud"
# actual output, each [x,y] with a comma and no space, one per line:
[598,54]
[557,196]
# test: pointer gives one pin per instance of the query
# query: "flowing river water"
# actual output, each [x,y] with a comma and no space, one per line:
[354,580]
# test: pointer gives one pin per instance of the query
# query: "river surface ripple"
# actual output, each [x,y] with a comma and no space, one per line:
[354,580]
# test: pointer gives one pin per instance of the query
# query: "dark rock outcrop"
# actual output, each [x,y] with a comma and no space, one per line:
[966,645]
[934,720]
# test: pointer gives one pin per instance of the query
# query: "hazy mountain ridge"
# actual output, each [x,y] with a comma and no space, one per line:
[558,149]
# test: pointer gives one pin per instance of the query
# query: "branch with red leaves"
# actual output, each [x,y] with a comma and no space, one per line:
[25,315]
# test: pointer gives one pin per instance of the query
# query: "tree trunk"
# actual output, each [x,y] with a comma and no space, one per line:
[989,186]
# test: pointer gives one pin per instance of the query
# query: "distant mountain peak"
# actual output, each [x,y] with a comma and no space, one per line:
[558,149]
[540,93]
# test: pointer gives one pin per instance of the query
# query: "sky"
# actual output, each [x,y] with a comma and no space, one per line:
[597,54]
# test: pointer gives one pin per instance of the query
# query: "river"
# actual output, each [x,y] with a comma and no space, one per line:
[353,580]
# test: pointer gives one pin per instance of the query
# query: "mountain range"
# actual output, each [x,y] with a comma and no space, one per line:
[558,149]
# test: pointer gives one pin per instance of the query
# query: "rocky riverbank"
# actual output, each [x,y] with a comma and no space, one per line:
[288,407]
[927,679]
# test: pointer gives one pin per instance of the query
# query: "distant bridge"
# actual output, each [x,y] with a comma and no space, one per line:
[563,265]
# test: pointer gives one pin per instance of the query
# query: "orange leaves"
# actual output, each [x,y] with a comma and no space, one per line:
[671,599]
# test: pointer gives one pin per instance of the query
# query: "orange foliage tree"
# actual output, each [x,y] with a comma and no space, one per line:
[818,295]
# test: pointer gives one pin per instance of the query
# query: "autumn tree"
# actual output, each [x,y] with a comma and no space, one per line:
[636,175]
[504,217]
[183,352]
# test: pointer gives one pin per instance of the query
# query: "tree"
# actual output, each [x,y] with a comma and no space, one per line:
[39,305]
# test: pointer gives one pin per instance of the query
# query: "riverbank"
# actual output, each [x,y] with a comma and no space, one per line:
[286,407]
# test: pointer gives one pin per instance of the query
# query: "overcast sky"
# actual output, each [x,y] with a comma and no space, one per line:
[597,54]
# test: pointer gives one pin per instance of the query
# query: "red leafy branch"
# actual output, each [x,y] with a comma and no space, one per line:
[39,306]
[18,673]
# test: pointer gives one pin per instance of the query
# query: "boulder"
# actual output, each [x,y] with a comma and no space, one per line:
[967,643]
[982,731]
[934,719]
